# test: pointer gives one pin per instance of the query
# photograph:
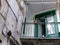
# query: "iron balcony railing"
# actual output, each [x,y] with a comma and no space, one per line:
[27,30]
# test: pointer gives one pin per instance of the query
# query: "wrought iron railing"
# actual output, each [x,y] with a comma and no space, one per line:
[27,28]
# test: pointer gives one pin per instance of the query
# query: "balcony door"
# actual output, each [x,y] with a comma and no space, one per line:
[48,28]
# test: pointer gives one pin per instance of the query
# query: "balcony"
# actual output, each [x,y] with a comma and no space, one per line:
[35,30]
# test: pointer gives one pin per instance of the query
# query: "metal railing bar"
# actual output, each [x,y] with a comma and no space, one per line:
[41,1]
[42,23]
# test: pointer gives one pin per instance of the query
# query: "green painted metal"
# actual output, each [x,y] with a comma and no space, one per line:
[36,30]
[46,28]
[56,25]
[50,35]
[46,14]
[45,11]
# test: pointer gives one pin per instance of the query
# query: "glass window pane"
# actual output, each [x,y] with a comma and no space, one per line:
[50,27]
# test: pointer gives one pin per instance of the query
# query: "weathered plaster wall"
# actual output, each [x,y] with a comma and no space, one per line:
[11,19]
[3,15]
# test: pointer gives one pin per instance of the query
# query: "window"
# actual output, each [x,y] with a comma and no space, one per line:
[50,27]
[47,23]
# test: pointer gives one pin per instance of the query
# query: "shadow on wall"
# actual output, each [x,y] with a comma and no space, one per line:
[0,3]
[41,42]
[27,43]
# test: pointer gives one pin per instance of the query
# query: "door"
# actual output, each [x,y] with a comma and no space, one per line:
[49,28]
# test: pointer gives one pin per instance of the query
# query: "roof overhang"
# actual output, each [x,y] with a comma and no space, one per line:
[37,6]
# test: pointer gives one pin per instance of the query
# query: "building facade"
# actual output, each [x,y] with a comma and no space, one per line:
[11,18]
